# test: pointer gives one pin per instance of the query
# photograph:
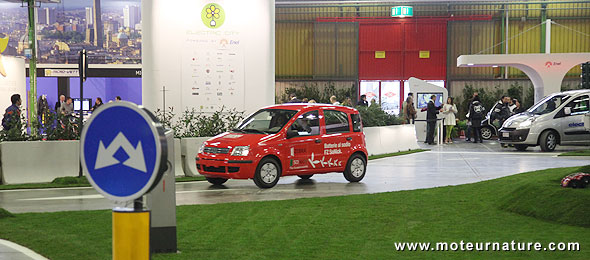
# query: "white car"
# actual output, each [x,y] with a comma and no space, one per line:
[558,119]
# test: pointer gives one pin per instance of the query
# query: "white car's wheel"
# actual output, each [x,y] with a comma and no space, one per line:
[548,141]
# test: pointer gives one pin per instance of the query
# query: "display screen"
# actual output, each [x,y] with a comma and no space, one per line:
[424,98]
[85,104]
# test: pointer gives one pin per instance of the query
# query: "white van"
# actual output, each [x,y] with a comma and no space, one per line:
[558,119]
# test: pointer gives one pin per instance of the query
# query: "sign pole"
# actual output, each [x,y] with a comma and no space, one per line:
[124,127]
[82,67]
[32,67]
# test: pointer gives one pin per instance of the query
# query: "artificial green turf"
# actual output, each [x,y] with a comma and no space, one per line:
[5,214]
[70,180]
[348,227]
[62,182]
[544,199]
[187,179]
[576,153]
[379,156]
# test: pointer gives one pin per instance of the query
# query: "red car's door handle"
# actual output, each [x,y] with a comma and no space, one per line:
[349,138]
[317,141]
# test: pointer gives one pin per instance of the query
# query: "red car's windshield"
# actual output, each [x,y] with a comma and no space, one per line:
[266,121]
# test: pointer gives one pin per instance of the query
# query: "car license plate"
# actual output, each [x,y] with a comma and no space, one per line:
[505,134]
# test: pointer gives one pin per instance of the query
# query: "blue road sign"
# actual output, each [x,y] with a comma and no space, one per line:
[122,150]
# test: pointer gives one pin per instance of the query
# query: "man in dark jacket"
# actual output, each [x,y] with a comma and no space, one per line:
[59,103]
[431,118]
[501,110]
[12,114]
[363,102]
[469,131]
[293,98]
[476,113]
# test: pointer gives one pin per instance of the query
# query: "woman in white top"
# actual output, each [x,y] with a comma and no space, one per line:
[449,111]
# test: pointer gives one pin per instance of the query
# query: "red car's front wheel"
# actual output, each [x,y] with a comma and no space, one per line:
[267,173]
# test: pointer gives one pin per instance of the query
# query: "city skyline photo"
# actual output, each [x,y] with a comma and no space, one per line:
[66,28]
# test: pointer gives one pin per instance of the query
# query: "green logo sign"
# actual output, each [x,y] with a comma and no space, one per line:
[402,11]
[213,15]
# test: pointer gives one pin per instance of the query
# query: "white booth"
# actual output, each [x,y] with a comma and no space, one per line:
[422,91]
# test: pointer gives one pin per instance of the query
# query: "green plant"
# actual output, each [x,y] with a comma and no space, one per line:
[168,121]
[319,94]
[489,98]
[56,126]
[373,115]
[17,131]
[529,99]
[195,123]
[461,126]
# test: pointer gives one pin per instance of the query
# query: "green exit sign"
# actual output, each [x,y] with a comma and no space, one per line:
[402,11]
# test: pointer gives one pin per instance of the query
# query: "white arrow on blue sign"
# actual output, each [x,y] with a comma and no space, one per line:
[105,156]
[123,151]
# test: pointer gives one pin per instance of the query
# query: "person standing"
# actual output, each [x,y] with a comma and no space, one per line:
[334,101]
[517,107]
[469,130]
[97,104]
[347,102]
[431,118]
[67,108]
[363,102]
[449,111]
[118,98]
[409,111]
[12,114]
[60,102]
[476,114]
[293,98]
[501,110]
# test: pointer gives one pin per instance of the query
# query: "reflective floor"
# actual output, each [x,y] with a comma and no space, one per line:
[444,165]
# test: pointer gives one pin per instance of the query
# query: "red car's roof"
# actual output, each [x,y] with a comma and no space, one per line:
[311,106]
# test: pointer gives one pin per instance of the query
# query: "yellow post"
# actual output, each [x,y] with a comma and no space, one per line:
[131,235]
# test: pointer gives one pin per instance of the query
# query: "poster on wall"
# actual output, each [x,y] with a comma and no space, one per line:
[12,80]
[213,62]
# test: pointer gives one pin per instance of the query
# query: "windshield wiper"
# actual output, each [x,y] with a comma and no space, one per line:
[237,130]
[254,130]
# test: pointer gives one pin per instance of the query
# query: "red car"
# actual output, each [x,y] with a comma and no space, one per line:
[576,180]
[289,139]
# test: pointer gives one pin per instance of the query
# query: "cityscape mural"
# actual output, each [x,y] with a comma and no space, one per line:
[110,30]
